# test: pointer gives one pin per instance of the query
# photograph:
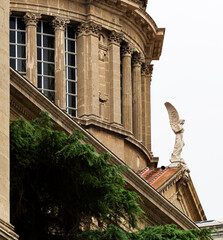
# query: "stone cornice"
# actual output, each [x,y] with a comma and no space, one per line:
[21,88]
[31,19]
[60,23]
[89,28]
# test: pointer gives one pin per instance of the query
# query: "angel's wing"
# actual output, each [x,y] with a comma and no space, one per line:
[173,116]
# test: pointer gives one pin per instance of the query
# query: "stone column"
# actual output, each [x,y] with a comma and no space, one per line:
[126,88]
[6,230]
[146,105]
[31,20]
[137,98]
[114,76]
[59,25]
[87,74]
[143,91]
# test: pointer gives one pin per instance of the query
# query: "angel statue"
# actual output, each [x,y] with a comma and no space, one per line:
[177,126]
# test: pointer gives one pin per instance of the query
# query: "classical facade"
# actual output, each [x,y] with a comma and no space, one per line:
[89,64]
[217,225]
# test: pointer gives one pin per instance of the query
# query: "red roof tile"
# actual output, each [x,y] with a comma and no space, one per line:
[158,176]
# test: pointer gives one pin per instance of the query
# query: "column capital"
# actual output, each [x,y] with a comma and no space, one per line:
[138,59]
[147,69]
[115,37]
[127,50]
[60,23]
[89,28]
[31,19]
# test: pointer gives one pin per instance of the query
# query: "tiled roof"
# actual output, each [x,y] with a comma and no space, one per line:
[158,176]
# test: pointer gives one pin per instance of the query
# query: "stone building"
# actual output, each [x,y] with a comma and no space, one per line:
[214,224]
[89,64]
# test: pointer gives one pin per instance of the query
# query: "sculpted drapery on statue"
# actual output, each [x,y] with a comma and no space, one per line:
[177,126]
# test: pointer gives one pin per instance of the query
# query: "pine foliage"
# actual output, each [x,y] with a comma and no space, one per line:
[59,183]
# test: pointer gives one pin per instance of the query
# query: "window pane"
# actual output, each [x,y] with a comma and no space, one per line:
[21,37]
[71,73]
[12,36]
[21,51]
[39,82]
[48,83]
[20,24]
[12,63]
[72,112]
[39,27]
[71,87]
[39,54]
[71,59]
[48,69]
[39,67]
[71,101]
[47,28]
[48,41]
[38,40]
[21,65]
[50,95]
[70,32]
[48,55]
[12,23]
[12,50]
[71,46]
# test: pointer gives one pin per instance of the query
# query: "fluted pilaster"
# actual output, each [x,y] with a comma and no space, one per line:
[31,20]
[114,76]
[137,99]
[87,64]
[146,104]
[127,87]
[59,25]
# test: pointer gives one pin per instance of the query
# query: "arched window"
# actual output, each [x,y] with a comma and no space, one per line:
[18,44]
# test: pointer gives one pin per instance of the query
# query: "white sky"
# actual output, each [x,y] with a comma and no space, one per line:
[189,75]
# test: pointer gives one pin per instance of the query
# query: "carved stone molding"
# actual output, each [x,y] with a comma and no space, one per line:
[137,59]
[89,27]
[31,19]
[127,49]
[60,23]
[147,69]
[115,37]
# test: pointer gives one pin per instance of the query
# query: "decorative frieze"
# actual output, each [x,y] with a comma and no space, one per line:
[31,19]
[89,27]
[115,37]
[60,23]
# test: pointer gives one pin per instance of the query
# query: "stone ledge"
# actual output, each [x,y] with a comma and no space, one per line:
[87,121]
[7,231]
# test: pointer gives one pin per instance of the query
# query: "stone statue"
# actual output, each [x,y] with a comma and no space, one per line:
[177,126]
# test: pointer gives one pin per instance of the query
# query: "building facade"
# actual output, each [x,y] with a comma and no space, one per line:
[214,224]
[89,64]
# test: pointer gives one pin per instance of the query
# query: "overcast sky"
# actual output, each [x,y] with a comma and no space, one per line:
[189,75]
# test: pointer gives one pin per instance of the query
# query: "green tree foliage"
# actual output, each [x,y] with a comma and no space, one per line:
[167,232]
[58,182]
